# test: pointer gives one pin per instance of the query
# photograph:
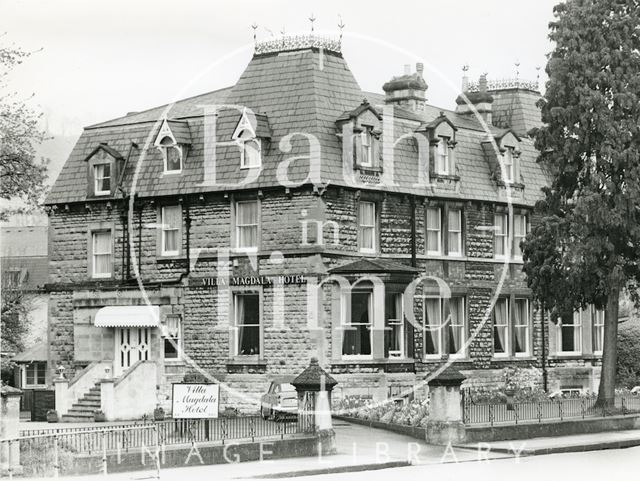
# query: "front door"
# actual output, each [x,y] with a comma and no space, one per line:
[132,345]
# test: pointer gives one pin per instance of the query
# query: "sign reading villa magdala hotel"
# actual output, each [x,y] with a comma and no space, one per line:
[240,233]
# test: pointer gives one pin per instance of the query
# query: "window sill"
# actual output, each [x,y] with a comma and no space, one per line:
[171,258]
[513,358]
[437,175]
[246,361]
[171,172]
[368,168]
[369,360]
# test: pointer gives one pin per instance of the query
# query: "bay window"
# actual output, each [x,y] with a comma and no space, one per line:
[521,326]
[357,334]
[367,226]
[570,332]
[457,327]
[247,323]
[598,330]
[432,324]
[509,233]
[501,327]
[247,215]
[394,324]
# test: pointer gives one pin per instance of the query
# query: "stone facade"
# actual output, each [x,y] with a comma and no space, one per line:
[306,234]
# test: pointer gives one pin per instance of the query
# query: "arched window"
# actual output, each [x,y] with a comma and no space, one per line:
[172,154]
[250,156]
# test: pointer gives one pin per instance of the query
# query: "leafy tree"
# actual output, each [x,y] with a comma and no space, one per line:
[586,248]
[629,353]
[22,176]
[17,304]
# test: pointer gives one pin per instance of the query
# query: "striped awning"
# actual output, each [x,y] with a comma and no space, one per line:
[128,316]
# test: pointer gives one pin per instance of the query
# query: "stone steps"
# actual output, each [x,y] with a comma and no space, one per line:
[84,409]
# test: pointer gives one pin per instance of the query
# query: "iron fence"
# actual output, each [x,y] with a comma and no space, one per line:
[539,411]
[47,451]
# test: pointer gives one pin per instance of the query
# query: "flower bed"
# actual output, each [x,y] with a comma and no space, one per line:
[410,413]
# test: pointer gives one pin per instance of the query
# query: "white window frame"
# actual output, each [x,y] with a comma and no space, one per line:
[362,227]
[502,237]
[598,324]
[508,160]
[97,180]
[507,336]
[245,144]
[443,162]
[25,384]
[458,251]
[577,333]
[438,231]
[346,322]
[463,310]
[165,154]
[526,326]
[239,226]
[176,339]
[401,354]
[522,220]
[101,275]
[425,332]
[166,228]
[366,143]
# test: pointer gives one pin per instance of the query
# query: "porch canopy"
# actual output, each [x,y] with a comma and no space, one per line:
[128,316]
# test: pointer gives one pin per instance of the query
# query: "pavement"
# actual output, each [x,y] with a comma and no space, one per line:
[563,444]
[361,448]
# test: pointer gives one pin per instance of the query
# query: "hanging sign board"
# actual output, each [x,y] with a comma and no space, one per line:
[195,401]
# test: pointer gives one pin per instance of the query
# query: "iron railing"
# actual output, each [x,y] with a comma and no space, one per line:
[48,448]
[539,411]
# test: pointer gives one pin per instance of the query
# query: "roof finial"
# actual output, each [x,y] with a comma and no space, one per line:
[538,75]
[465,79]
[341,26]
[517,64]
[312,19]
[254,26]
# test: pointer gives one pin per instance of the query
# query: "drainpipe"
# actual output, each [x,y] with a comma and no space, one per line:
[544,351]
[140,240]
[413,231]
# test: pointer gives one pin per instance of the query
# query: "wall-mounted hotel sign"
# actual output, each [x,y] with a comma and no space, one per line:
[249,280]
[195,401]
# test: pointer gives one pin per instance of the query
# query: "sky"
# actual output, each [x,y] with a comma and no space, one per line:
[96,60]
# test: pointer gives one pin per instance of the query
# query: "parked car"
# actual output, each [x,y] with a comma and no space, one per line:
[280,401]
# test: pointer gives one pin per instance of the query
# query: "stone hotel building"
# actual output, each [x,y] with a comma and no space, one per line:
[198,239]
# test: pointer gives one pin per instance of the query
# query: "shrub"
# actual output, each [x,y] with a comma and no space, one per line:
[411,413]
[629,354]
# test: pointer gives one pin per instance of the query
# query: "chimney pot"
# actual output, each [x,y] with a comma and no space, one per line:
[482,83]
[420,68]
[407,69]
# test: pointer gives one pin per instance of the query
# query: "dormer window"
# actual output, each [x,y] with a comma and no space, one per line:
[102,179]
[250,155]
[365,139]
[508,161]
[172,154]
[443,161]
[173,141]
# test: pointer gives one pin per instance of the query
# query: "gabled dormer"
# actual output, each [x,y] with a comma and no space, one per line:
[173,141]
[251,133]
[504,160]
[360,130]
[104,165]
[441,133]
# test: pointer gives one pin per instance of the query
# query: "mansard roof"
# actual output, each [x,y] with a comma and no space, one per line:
[298,91]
